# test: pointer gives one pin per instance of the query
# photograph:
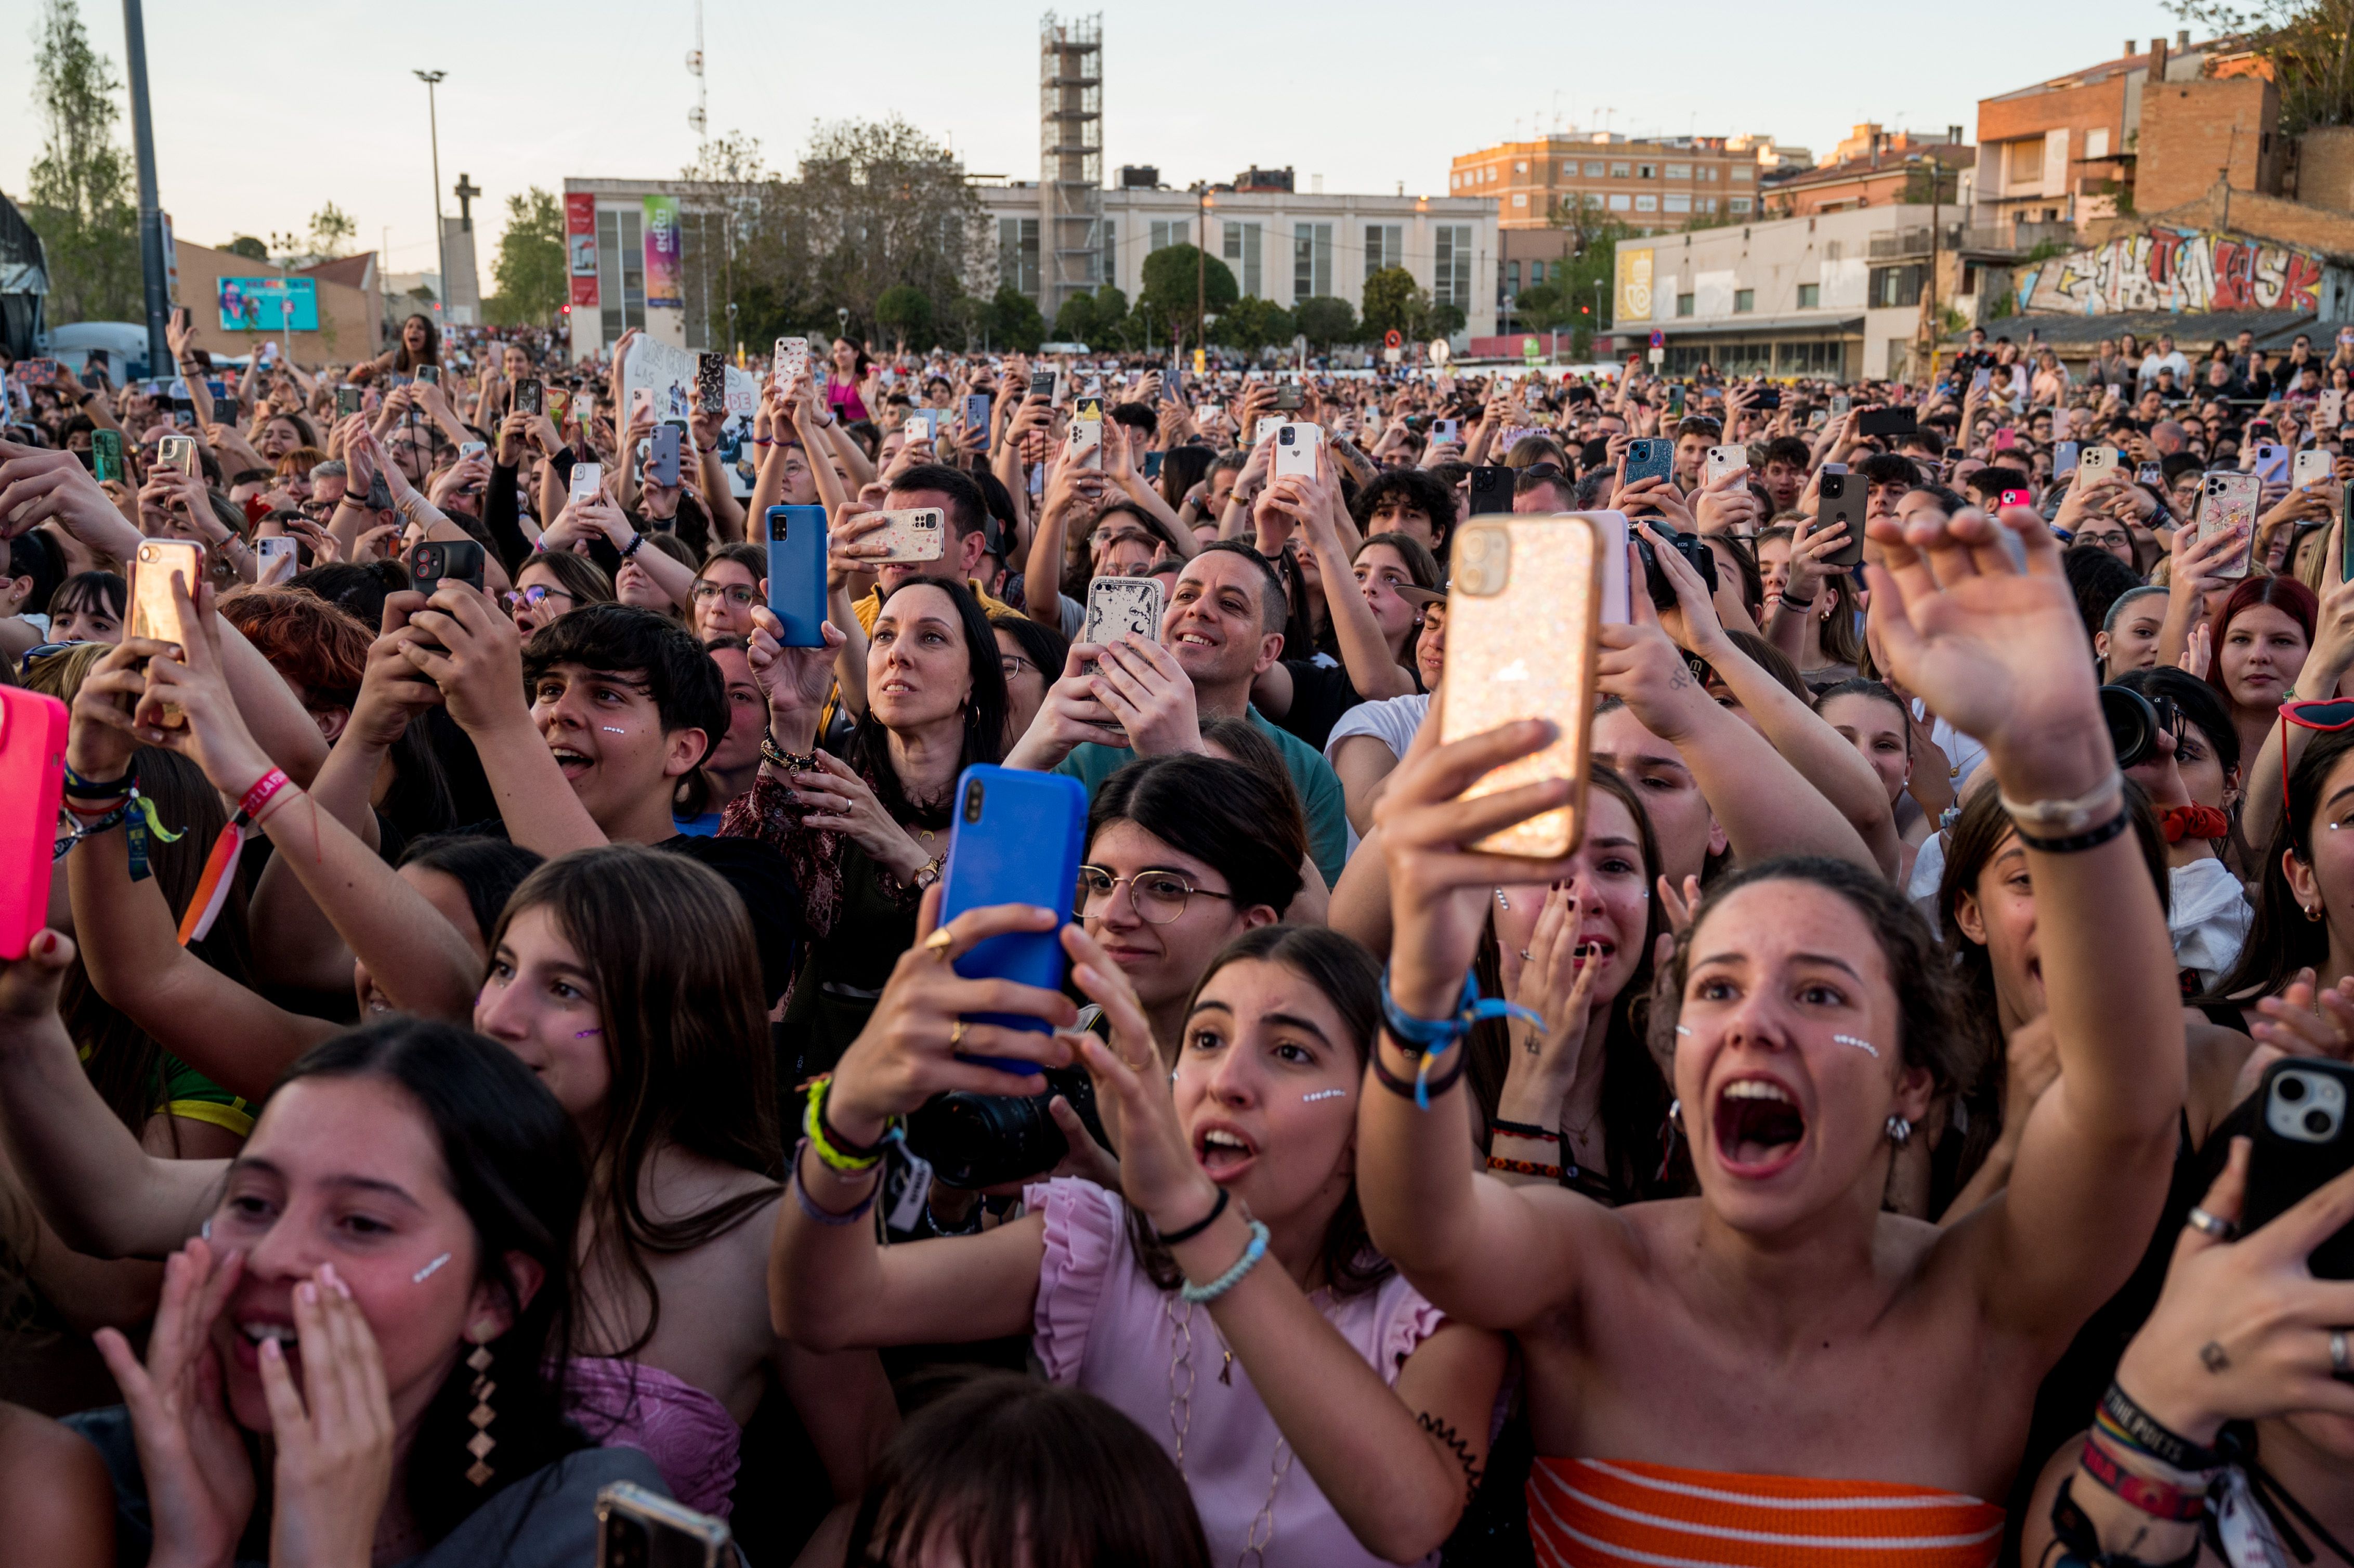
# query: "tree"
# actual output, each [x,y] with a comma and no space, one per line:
[1324,321]
[1076,321]
[1391,304]
[331,232]
[876,204]
[1018,323]
[247,246]
[1250,324]
[1177,278]
[906,313]
[2306,42]
[80,193]
[1119,326]
[531,276]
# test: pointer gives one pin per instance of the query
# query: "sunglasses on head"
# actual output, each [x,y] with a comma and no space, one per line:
[2320,714]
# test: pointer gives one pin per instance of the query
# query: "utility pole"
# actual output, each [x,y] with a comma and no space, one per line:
[1201,260]
[441,246]
[150,210]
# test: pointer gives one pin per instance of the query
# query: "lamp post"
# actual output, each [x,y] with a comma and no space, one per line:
[152,266]
[1201,205]
[440,245]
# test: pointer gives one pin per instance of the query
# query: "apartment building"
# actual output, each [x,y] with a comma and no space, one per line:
[1873,168]
[1652,185]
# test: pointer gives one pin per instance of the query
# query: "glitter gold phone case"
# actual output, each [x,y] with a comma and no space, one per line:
[1521,643]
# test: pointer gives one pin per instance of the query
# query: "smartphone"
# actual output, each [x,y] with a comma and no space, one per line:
[913,534]
[2151,475]
[274,559]
[662,455]
[1722,461]
[37,372]
[2015,498]
[1492,489]
[639,1529]
[1017,838]
[711,383]
[2064,455]
[588,479]
[797,574]
[1267,425]
[790,359]
[1982,379]
[2272,463]
[1611,532]
[1043,385]
[530,395]
[2302,1140]
[1289,397]
[153,613]
[2097,464]
[2333,407]
[977,410]
[1840,498]
[2061,422]
[1766,397]
[926,423]
[431,375]
[1675,402]
[2346,535]
[2006,440]
[2311,466]
[436,561]
[178,451]
[1522,620]
[1119,607]
[642,402]
[347,401]
[1295,449]
[2228,498]
[471,449]
[1840,404]
[1086,445]
[1650,457]
[1442,430]
[1887,422]
[1152,464]
[32,787]
[106,454]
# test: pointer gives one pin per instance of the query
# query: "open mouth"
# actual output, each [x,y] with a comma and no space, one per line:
[1224,1152]
[1758,1126]
[251,1334]
[573,763]
[1194,639]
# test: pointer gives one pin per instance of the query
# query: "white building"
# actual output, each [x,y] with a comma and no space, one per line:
[1281,246]
[1836,294]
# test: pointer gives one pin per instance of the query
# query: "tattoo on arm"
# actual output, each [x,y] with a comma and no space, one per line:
[1444,1436]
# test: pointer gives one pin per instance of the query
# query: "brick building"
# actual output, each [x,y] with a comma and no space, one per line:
[1653,186]
[1871,168]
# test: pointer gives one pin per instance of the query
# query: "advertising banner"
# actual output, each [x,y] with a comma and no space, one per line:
[580,244]
[665,286]
[269,304]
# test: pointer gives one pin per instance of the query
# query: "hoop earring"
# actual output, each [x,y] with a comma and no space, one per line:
[2312,915]
[481,1416]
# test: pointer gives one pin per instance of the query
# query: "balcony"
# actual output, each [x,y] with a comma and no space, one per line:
[2013,238]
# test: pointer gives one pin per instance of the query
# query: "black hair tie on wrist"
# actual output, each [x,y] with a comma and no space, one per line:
[1176,1238]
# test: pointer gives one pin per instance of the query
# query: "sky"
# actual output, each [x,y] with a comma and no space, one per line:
[259,122]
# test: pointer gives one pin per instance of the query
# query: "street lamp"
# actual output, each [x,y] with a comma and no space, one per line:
[440,244]
[1201,205]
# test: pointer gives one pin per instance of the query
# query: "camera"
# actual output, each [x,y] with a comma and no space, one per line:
[986,1140]
[1691,548]
[2134,722]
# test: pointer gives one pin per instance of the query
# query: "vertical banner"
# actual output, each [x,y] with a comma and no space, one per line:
[665,287]
[581,242]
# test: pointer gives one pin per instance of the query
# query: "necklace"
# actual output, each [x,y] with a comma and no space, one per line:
[1181,1420]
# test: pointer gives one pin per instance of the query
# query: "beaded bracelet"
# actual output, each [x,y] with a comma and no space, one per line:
[776,755]
[1523,1129]
[1524,1166]
[1203,1295]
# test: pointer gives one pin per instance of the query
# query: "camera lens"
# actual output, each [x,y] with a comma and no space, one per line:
[2291,1089]
[2318,1123]
[972,793]
[2133,725]
[625,1541]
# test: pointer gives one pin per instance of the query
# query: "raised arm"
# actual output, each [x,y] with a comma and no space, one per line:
[2002,654]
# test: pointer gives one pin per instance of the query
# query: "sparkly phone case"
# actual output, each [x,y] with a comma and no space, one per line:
[1521,643]
[2226,501]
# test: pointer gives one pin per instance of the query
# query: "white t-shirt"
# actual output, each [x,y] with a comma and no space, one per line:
[1392,721]
[2209,919]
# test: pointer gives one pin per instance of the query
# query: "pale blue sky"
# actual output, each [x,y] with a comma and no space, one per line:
[263,113]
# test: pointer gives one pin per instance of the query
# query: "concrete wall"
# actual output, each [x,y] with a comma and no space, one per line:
[2194,132]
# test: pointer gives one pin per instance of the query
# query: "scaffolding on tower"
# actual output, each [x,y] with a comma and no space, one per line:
[1070,158]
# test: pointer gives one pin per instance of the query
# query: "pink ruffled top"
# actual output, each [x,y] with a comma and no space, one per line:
[687,1434]
[1101,1325]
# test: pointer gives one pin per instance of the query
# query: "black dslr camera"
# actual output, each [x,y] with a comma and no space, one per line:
[987,1140]
[1690,546]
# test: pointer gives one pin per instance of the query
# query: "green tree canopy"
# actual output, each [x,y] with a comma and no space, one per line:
[1076,321]
[1250,324]
[1391,303]
[531,275]
[1324,321]
[80,195]
[331,232]
[247,246]
[1018,325]
[1177,278]
[906,313]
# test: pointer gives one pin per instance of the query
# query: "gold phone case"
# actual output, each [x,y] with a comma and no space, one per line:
[152,613]
[1521,628]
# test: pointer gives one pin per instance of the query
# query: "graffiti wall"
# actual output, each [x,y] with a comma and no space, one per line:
[2175,270]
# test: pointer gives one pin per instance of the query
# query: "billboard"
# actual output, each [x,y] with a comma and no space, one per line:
[580,245]
[1634,302]
[269,304]
[666,285]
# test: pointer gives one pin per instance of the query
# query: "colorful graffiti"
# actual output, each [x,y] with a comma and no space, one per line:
[2175,270]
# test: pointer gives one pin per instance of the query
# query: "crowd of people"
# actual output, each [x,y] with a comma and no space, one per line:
[489,1041]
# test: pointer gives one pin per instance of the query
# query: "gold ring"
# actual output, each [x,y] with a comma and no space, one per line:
[938,943]
[955,1037]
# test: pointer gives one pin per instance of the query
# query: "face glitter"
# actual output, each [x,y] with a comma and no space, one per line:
[1324,1095]
[586,1032]
[1864,1045]
[613,729]
[422,1275]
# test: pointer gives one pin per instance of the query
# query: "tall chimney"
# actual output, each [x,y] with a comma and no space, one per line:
[2157,60]
[2182,39]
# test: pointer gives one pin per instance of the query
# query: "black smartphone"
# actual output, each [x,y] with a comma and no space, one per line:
[1766,397]
[106,454]
[1841,497]
[431,375]
[1887,422]
[1152,465]
[1675,402]
[347,401]
[1690,546]
[711,383]
[1492,489]
[2304,1136]
[1042,384]
[1288,396]
[527,394]
[437,561]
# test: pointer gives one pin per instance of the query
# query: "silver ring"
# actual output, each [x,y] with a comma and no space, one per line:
[2212,1225]
[2340,1362]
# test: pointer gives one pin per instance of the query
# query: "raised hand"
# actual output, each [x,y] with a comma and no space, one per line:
[333,1436]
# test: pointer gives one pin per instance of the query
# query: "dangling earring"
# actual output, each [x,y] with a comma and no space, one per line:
[1900,1131]
[481,1416]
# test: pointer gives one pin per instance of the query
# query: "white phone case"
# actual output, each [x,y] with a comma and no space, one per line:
[1121,607]
[1722,461]
[792,358]
[912,534]
[1295,449]
[1087,444]
[2096,465]
[2312,464]
[586,479]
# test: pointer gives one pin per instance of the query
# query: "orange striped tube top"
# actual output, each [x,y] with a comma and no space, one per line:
[1616,1513]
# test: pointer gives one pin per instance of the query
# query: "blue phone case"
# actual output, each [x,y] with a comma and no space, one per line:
[1018,840]
[1651,458]
[662,455]
[797,574]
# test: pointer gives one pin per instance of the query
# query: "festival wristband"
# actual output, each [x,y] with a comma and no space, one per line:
[2120,1417]
[2144,1494]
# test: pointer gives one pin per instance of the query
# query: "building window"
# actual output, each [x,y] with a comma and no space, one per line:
[1897,286]
[1619,171]
[1311,260]
[1677,203]
[1536,273]
[1017,253]
[1512,277]
[1810,296]
[1242,254]
[1647,203]
[1737,204]
[1741,173]
[2096,142]
[1593,171]
[1647,172]
[1569,171]
[621,271]
[1521,168]
[1450,272]
[1705,204]
[1707,172]
[1744,301]
[1679,171]
[2027,162]
[1172,231]
[1110,270]
[1620,201]
[1683,304]
[1519,198]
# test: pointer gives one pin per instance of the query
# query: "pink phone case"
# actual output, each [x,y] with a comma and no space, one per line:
[32,785]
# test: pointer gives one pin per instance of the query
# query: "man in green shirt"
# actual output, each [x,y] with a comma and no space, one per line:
[1223,627]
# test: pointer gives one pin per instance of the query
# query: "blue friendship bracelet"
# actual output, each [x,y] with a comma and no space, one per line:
[1435,1036]
[1203,1295]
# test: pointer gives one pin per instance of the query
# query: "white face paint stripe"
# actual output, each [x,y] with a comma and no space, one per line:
[1859,1045]
[422,1275]
[1324,1095]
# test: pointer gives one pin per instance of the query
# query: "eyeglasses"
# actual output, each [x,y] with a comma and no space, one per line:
[1013,664]
[535,595]
[738,594]
[2324,713]
[1159,896]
